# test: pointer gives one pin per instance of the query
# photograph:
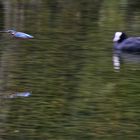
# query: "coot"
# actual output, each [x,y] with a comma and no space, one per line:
[126,44]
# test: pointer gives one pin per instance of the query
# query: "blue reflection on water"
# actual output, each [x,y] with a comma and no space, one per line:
[119,57]
[20,94]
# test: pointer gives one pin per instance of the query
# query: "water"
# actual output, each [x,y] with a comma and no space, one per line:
[76,94]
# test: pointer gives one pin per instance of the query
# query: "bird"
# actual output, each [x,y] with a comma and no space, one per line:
[18,35]
[126,44]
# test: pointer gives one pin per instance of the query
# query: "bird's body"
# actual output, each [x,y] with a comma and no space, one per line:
[20,35]
[122,43]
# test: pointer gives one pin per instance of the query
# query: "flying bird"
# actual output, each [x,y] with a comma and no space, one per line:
[18,35]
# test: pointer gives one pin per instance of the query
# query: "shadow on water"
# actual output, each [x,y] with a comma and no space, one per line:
[2,18]
[3,106]
[132,9]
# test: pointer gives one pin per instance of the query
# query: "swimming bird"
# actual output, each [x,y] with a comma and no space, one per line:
[19,35]
[126,44]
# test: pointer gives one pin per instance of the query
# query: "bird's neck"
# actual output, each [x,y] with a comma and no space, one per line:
[122,38]
[13,33]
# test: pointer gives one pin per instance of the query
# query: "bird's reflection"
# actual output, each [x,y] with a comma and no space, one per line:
[119,57]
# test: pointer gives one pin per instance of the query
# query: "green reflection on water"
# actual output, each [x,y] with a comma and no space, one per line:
[68,68]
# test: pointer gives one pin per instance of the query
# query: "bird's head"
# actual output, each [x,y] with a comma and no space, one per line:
[11,31]
[119,37]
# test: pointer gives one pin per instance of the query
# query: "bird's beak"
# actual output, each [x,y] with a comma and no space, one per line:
[3,31]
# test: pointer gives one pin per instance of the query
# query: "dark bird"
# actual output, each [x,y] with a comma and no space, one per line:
[126,44]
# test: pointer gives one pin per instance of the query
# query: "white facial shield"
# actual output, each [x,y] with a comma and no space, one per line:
[117,36]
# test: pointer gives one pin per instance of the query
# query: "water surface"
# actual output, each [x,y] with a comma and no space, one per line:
[76,94]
